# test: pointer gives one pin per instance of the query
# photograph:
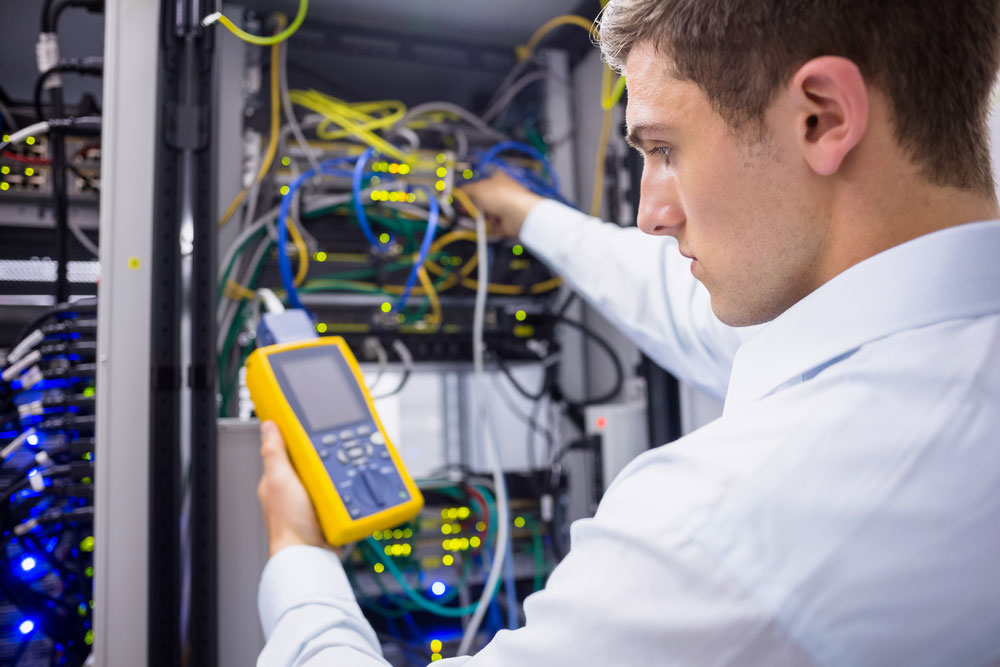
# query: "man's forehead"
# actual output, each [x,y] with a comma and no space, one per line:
[656,100]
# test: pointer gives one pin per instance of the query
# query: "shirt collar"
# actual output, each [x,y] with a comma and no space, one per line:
[949,274]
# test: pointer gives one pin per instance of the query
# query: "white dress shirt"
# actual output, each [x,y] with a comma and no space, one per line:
[845,509]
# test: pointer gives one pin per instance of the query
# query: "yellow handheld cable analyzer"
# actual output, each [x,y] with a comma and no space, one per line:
[313,389]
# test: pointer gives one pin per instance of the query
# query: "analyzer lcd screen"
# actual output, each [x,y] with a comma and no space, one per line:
[323,394]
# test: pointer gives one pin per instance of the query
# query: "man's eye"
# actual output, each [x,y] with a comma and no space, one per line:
[661,150]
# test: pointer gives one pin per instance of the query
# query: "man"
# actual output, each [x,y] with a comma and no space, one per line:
[824,166]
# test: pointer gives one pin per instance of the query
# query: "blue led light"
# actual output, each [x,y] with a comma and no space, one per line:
[26,627]
[438,588]
[28,563]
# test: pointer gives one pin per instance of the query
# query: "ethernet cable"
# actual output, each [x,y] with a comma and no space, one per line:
[283,228]
[272,142]
[478,352]
[355,119]
[257,39]
[45,126]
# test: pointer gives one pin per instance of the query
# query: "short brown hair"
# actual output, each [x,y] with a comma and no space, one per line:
[934,60]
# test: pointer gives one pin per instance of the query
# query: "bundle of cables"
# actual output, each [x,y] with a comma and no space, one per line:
[46,481]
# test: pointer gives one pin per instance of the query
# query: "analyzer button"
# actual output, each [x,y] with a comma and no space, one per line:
[376,438]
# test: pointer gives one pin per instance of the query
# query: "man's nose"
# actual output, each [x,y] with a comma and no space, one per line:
[660,212]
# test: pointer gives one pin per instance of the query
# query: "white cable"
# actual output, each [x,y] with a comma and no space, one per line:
[509,94]
[91,247]
[447,107]
[30,341]
[503,510]
[286,104]
[270,300]
[373,346]
[45,126]
[15,369]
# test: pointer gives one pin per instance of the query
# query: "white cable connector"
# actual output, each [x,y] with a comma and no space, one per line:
[210,19]
[30,341]
[31,377]
[47,56]
[15,444]
[37,480]
[42,458]
[26,527]
[15,369]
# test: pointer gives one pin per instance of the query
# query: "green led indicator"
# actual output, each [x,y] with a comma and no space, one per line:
[285,161]
[4,170]
[320,256]
[284,190]
[89,637]
[468,173]
[520,315]
[518,250]
[386,306]
[384,238]
[321,327]
[88,392]
[87,544]
[442,158]
[519,522]
[89,571]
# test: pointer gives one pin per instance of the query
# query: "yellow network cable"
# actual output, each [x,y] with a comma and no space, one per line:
[359,120]
[300,248]
[597,196]
[256,39]
[610,96]
[435,317]
[272,142]
[524,52]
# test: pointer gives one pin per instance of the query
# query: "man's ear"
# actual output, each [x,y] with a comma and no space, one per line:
[832,111]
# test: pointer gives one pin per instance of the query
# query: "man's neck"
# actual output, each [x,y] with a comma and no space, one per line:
[880,221]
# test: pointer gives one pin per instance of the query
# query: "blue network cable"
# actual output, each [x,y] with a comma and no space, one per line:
[359,206]
[523,176]
[425,247]
[284,264]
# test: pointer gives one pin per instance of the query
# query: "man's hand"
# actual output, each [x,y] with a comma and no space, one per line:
[503,201]
[288,512]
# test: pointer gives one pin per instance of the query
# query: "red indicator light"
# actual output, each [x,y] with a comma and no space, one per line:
[601,422]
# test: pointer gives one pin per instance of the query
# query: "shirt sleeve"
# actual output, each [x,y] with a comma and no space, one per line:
[644,286]
[310,616]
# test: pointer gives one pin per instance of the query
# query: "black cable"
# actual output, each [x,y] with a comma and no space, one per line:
[80,66]
[402,383]
[50,18]
[47,16]
[615,361]
[92,6]
[86,305]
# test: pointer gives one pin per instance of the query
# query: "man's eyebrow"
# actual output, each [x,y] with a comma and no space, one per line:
[635,133]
